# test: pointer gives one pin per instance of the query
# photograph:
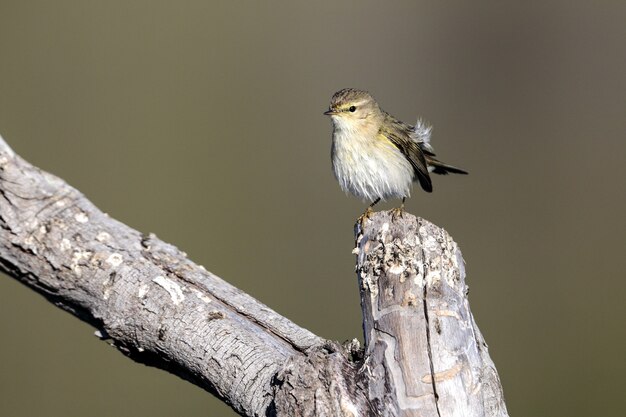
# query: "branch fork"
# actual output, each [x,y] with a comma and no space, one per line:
[423,355]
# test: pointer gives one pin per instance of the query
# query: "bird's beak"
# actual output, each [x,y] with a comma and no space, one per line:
[330,112]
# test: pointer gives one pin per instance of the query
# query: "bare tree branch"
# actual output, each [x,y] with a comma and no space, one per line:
[424,354]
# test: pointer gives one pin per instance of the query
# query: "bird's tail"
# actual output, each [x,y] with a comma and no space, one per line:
[440,168]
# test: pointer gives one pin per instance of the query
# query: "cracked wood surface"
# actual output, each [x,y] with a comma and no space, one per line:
[424,354]
[143,295]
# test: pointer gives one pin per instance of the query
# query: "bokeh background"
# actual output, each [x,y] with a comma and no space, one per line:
[202,122]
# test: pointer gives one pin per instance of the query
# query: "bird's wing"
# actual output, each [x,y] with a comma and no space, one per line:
[400,135]
[421,134]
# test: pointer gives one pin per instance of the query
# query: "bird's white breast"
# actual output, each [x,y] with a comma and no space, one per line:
[369,167]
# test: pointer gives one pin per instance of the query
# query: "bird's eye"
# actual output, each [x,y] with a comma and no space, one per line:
[352,109]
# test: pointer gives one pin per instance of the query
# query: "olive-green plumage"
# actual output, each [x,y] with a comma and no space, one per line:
[374,154]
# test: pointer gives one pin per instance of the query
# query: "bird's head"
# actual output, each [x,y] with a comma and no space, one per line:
[352,109]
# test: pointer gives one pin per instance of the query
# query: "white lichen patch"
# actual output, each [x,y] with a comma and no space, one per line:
[176,293]
[355,251]
[409,299]
[81,255]
[60,203]
[419,277]
[103,237]
[431,243]
[78,257]
[65,245]
[115,260]
[201,295]
[108,284]
[369,284]
[385,227]
[81,217]
[143,290]
[433,277]
[30,243]
[397,268]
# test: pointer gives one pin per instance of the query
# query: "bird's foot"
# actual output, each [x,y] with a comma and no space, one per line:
[366,215]
[397,213]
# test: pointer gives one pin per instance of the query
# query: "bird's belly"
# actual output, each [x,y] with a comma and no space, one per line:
[371,169]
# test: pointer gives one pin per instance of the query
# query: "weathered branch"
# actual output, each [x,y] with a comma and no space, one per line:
[424,355]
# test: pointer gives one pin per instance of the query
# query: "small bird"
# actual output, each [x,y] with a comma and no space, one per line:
[376,156]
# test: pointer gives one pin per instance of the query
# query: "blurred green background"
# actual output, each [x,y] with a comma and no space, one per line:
[202,122]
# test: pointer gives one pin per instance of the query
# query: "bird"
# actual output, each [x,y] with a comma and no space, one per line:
[376,156]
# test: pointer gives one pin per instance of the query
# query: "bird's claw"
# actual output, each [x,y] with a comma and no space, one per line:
[397,212]
[366,215]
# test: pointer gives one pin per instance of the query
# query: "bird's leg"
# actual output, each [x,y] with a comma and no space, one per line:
[368,211]
[397,212]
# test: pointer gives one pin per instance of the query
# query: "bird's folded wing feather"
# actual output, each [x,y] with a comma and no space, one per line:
[399,134]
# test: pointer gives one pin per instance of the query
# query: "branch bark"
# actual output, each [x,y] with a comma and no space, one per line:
[423,355]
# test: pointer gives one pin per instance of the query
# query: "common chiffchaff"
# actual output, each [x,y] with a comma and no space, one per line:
[376,156]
